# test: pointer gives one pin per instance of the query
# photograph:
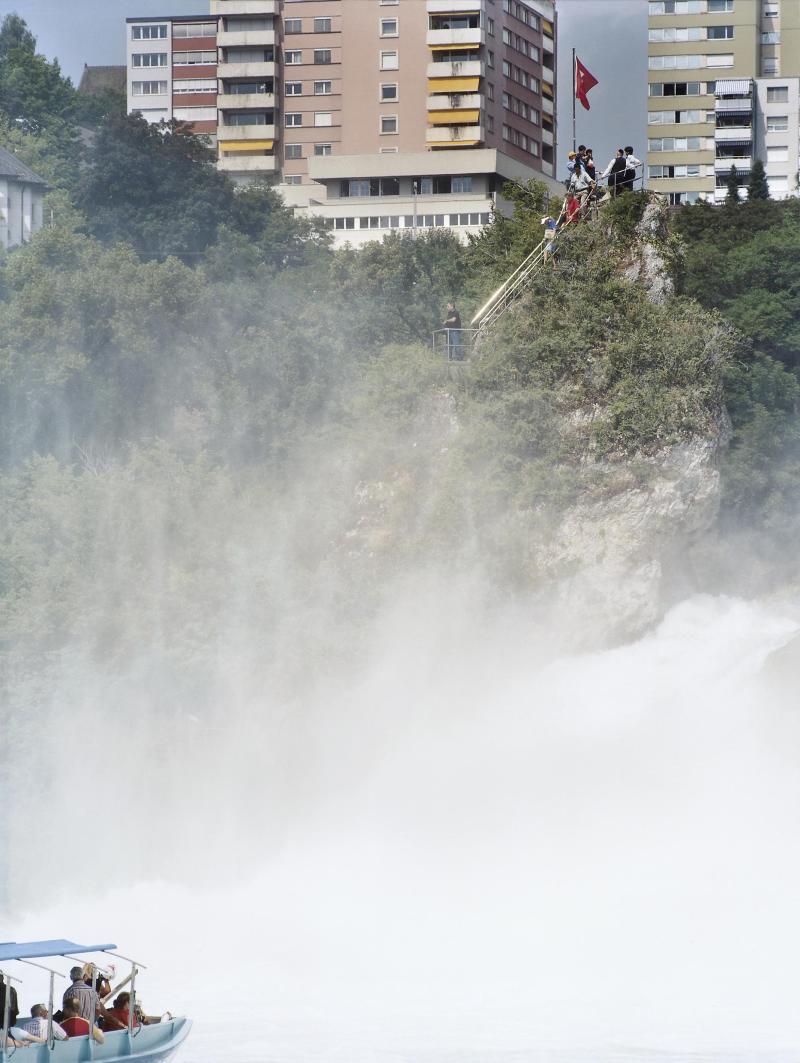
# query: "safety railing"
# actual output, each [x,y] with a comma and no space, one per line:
[501,299]
[455,344]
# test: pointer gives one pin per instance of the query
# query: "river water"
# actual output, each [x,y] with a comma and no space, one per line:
[508,857]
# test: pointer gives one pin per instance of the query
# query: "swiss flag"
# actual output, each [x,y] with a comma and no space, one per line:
[584,81]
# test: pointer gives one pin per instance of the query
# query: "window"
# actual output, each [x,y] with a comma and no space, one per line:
[294,88]
[388,123]
[388,27]
[248,117]
[778,184]
[248,23]
[250,55]
[677,7]
[388,151]
[194,58]
[322,25]
[388,92]
[490,26]
[148,33]
[489,91]
[292,179]
[292,25]
[462,185]
[242,88]
[149,88]
[778,154]
[715,6]
[149,58]
[719,33]
[677,144]
[779,94]
[323,88]
[769,66]
[293,58]
[294,151]
[771,38]
[389,61]
[293,118]
[196,29]
[322,149]
[490,59]
[194,114]
[323,118]
[322,56]
[186,85]
[777,123]
[724,59]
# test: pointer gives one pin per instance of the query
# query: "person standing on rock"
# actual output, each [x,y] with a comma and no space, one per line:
[615,172]
[631,164]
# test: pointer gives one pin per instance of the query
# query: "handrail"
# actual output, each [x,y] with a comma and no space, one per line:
[496,295]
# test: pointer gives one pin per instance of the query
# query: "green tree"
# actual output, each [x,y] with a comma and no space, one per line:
[15,36]
[732,185]
[757,187]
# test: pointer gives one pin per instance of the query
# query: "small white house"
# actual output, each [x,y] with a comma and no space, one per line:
[21,198]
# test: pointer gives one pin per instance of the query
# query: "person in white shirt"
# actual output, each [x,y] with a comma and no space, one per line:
[37,1024]
[615,172]
[631,164]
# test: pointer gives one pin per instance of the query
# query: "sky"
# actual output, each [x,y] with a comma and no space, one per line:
[610,37]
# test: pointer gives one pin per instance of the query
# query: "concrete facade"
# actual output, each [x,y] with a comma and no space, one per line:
[708,61]
[21,201]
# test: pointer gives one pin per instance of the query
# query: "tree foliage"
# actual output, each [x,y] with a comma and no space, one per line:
[757,187]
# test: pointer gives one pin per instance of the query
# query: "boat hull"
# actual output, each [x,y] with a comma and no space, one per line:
[149,1044]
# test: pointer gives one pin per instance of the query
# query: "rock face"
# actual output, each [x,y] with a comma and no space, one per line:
[616,562]
[648,264]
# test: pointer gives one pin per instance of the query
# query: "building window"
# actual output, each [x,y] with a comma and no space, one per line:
[389,61]
[293,58]
[294,88]
[236,88]
[779,94]
[778,154]
[322,56]
[249,118]
[388,151]
[149,88]
[294,118]
[489,91]
[149,59]
[388,123]
[196,29]
[719,33]
[292,179]
[771,38]
[194,58]
[322,149]
[208,85]
[322,25]
[489,123]
[323,118]
[388,92]
[490,26]
[770,67]
[292,25]
[148,33]
[294,151]
[717,6]
[778,184]
[490,59]
[388,27]
[462,185]
[323,88]
[777,123]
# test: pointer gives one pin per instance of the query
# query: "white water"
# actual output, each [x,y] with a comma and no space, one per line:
[590,857]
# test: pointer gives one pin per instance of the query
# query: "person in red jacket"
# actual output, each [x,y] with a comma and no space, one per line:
[73,1025]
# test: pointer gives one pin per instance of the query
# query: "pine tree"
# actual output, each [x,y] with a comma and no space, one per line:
[732,184]
[757,187]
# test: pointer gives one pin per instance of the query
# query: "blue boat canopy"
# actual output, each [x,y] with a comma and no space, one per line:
[28,950]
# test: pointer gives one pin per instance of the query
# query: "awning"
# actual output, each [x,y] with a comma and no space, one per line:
[454,117]
[453,85]
[734,87]
[455,47]
[24,950]
[743,143]
[246,145]
[547,89]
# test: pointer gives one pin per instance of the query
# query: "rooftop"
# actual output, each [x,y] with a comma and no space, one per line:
[10,166]
[97,79]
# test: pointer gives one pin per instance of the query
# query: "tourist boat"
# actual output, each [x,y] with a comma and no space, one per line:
[147,1044]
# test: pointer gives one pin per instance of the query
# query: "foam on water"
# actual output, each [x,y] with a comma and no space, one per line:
[508,856]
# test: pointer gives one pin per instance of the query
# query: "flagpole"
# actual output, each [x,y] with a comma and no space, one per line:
[574,88]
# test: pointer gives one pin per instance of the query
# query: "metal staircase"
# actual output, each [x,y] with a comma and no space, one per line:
[511,289]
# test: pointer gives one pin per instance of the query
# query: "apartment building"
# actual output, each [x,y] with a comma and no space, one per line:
[372,114]
[172,70]
[723,77]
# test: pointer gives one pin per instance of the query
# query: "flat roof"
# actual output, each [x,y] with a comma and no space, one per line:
[175,18]
[23,950]
[420,164]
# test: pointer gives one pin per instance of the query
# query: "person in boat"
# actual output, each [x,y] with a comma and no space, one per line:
[116,1017]
[13,1003]
[37,1024]
[75,1026]
[20,1038]
[89,1003]
[93,975]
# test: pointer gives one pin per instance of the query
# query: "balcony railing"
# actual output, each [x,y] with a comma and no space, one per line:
[455,135]
[245,38]
[456,38]
[462,68]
